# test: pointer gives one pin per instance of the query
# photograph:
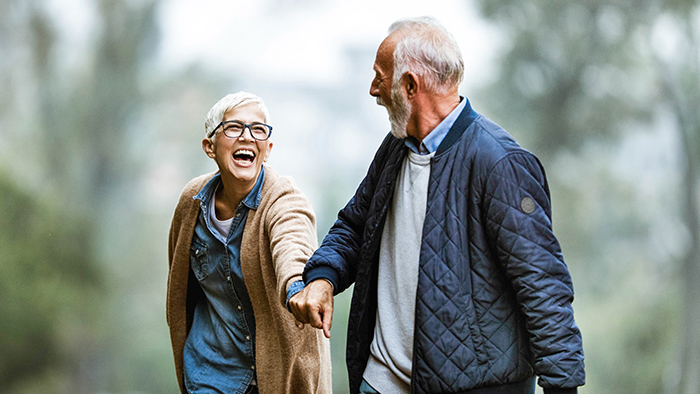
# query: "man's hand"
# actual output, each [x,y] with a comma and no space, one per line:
[314,305]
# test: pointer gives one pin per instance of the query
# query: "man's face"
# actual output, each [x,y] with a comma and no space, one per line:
[244,156]
[383,72]
[390,95]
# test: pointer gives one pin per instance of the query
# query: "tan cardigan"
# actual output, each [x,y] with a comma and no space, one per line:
[278,238]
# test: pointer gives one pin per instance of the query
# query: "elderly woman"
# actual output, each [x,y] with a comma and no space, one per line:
[239,240]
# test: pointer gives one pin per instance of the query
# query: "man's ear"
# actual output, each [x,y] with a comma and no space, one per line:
[411,84]
[208,147]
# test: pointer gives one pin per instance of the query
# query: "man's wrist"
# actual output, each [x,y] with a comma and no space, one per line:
[324,272]
[329,282]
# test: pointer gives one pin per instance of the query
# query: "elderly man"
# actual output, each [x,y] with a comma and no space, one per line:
[460,284]
[239,240]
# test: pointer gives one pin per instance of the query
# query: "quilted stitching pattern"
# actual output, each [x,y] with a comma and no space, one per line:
[509,269]
[494,295]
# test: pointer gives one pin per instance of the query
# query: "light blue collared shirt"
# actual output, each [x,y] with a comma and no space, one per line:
[433,140]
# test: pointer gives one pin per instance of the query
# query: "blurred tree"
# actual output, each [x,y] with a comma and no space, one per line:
[581,74]
[69,119]
[79,109]
[94,115]
[90,122]
[49,287]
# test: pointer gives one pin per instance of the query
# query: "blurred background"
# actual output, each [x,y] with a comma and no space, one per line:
[102,104]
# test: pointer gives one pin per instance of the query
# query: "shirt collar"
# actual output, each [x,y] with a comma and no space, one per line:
[252,200]
[433,140]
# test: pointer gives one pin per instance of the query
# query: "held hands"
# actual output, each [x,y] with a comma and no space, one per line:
[314,305]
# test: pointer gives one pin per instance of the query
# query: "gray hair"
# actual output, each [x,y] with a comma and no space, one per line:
[229,102]
[426,48]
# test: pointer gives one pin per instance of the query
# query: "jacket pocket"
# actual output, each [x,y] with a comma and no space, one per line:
[199,259]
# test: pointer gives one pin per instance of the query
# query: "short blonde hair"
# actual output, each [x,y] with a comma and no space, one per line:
[229,102]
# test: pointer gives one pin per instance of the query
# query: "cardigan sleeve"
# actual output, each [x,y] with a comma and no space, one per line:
[291,226]
[519,227]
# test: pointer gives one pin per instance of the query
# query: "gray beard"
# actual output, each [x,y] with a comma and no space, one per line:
[398,114]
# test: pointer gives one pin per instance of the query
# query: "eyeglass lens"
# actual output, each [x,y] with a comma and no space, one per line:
[234,129]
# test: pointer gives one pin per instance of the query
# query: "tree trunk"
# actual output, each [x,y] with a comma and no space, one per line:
[688,372]
[690,329]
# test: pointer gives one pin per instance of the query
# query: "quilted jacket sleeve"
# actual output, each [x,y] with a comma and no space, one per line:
[518,223]
[336,259]
[339,254]
[291,225]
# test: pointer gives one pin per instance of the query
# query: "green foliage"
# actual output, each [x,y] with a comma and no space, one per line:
[629,336]
[101,135]
[48,281]
[571,72]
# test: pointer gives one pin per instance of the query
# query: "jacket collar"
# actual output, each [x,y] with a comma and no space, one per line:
[464,120]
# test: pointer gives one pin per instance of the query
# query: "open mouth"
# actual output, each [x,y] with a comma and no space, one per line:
[245,155]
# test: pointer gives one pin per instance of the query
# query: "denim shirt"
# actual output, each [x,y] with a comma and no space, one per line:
[219,354]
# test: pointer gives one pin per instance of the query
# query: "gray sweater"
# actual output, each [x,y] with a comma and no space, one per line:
[389,367]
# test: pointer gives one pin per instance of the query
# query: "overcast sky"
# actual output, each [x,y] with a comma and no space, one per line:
[301,46]
[270,45]
[301,41]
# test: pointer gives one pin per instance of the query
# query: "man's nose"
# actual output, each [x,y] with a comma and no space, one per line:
[373,89]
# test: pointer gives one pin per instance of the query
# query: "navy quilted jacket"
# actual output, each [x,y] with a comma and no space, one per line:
[493,305]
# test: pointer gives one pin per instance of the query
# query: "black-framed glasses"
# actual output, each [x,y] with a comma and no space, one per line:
[235,129]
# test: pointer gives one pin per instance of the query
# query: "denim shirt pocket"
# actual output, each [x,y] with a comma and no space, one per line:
[199,259]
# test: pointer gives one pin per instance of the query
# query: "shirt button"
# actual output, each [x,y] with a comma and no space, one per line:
[239,307]
[228,278]
[247,337]
[252,367]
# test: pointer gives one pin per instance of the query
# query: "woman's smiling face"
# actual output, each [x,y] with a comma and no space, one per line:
[241,158]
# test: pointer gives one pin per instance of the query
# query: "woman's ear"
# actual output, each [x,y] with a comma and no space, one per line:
[269,149]
[208,147]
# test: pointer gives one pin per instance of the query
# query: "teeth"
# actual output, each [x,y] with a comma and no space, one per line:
[244,152]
